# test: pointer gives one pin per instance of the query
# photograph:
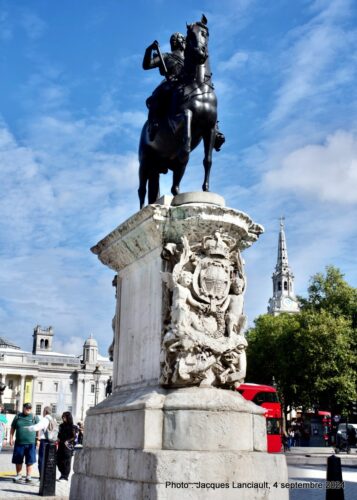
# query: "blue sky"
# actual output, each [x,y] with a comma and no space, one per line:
[72,104]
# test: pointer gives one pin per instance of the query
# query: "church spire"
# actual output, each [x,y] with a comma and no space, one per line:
[284,299]
[282,261]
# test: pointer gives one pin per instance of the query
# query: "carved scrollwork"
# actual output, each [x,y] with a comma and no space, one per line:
[203,343]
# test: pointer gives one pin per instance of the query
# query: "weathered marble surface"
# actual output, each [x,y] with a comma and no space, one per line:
[144,437]
[203,341]
[155,224]
[148,337]
[136,441]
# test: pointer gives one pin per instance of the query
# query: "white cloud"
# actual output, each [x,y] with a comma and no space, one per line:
[237,60]
[311,61]
[327,172]
[61,194]
[230,18]
[33,24]
[6,28]
[72,345]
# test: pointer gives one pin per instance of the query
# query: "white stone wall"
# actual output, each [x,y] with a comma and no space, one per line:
[140,321]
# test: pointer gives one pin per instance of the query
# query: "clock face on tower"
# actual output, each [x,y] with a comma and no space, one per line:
[288,302]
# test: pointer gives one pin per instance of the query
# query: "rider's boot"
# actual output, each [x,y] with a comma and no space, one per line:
[219,141]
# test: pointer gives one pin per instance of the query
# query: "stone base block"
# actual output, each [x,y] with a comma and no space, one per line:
[160,475]
[189,443]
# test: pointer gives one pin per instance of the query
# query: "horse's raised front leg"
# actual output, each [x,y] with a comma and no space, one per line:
[184,153]
[178,172]
[208,141]
[187,132]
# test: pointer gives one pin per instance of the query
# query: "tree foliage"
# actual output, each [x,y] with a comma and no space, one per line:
[330,292]
[312,354]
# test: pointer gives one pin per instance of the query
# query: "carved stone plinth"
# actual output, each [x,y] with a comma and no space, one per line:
[178,350]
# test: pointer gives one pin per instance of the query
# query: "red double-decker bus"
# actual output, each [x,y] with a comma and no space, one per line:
[267,397]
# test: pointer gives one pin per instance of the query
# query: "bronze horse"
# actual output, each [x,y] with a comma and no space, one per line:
[190,116]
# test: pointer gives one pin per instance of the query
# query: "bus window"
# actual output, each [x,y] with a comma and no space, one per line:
[273,426]
[265,397]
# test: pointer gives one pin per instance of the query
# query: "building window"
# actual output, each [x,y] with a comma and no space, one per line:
[38,409]
[40,386]
[279,285]
[285,285]
[54,409]
[56,386]
[42,344]
[10,384]
[92,388]
[70,408]
[46,343]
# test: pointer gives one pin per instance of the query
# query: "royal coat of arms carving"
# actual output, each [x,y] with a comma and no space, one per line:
[203,343]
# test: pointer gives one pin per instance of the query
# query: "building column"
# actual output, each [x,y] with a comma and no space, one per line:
[34,381]
[22,392]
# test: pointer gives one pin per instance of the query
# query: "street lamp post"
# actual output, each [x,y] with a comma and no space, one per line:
[96,375]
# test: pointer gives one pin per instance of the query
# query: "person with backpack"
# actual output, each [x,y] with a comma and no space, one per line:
[25,443]
[66,443]
[48,433]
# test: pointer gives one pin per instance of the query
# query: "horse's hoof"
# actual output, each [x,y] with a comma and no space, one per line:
[175,190]
[205,187]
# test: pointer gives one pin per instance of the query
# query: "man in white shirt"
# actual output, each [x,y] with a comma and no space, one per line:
[44,437]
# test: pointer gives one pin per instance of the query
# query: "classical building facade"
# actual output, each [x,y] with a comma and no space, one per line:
[283,299]
[46,378]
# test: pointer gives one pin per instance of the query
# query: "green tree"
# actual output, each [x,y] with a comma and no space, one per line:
[312,355]
[330,292]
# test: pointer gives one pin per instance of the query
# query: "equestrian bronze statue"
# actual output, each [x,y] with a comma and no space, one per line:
[182,111]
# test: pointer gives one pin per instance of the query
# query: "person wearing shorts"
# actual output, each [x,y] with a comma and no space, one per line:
[25,442]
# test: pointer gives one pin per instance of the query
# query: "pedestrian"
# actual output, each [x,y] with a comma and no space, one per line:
[48,433]
[66,441]
[25,442]
[285,440]
[3,422]
[297,437]
[351,435]
[291,437]
[80,433]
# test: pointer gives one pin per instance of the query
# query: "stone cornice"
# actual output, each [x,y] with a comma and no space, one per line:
[150,228]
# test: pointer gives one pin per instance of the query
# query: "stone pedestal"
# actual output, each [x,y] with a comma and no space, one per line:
[168,441]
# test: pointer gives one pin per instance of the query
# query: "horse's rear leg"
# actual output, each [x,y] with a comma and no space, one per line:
[143,178]
[208,141]
[154,186]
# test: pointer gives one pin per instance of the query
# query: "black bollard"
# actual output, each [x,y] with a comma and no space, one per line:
[334,484]
[48,471]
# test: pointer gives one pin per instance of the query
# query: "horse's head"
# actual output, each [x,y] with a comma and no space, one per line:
[197,41]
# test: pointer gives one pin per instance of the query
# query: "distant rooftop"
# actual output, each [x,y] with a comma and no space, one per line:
[4,343]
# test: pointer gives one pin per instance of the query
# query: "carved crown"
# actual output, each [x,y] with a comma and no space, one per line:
[218,245]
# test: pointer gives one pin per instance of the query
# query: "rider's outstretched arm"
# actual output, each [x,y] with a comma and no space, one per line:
[150,62]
